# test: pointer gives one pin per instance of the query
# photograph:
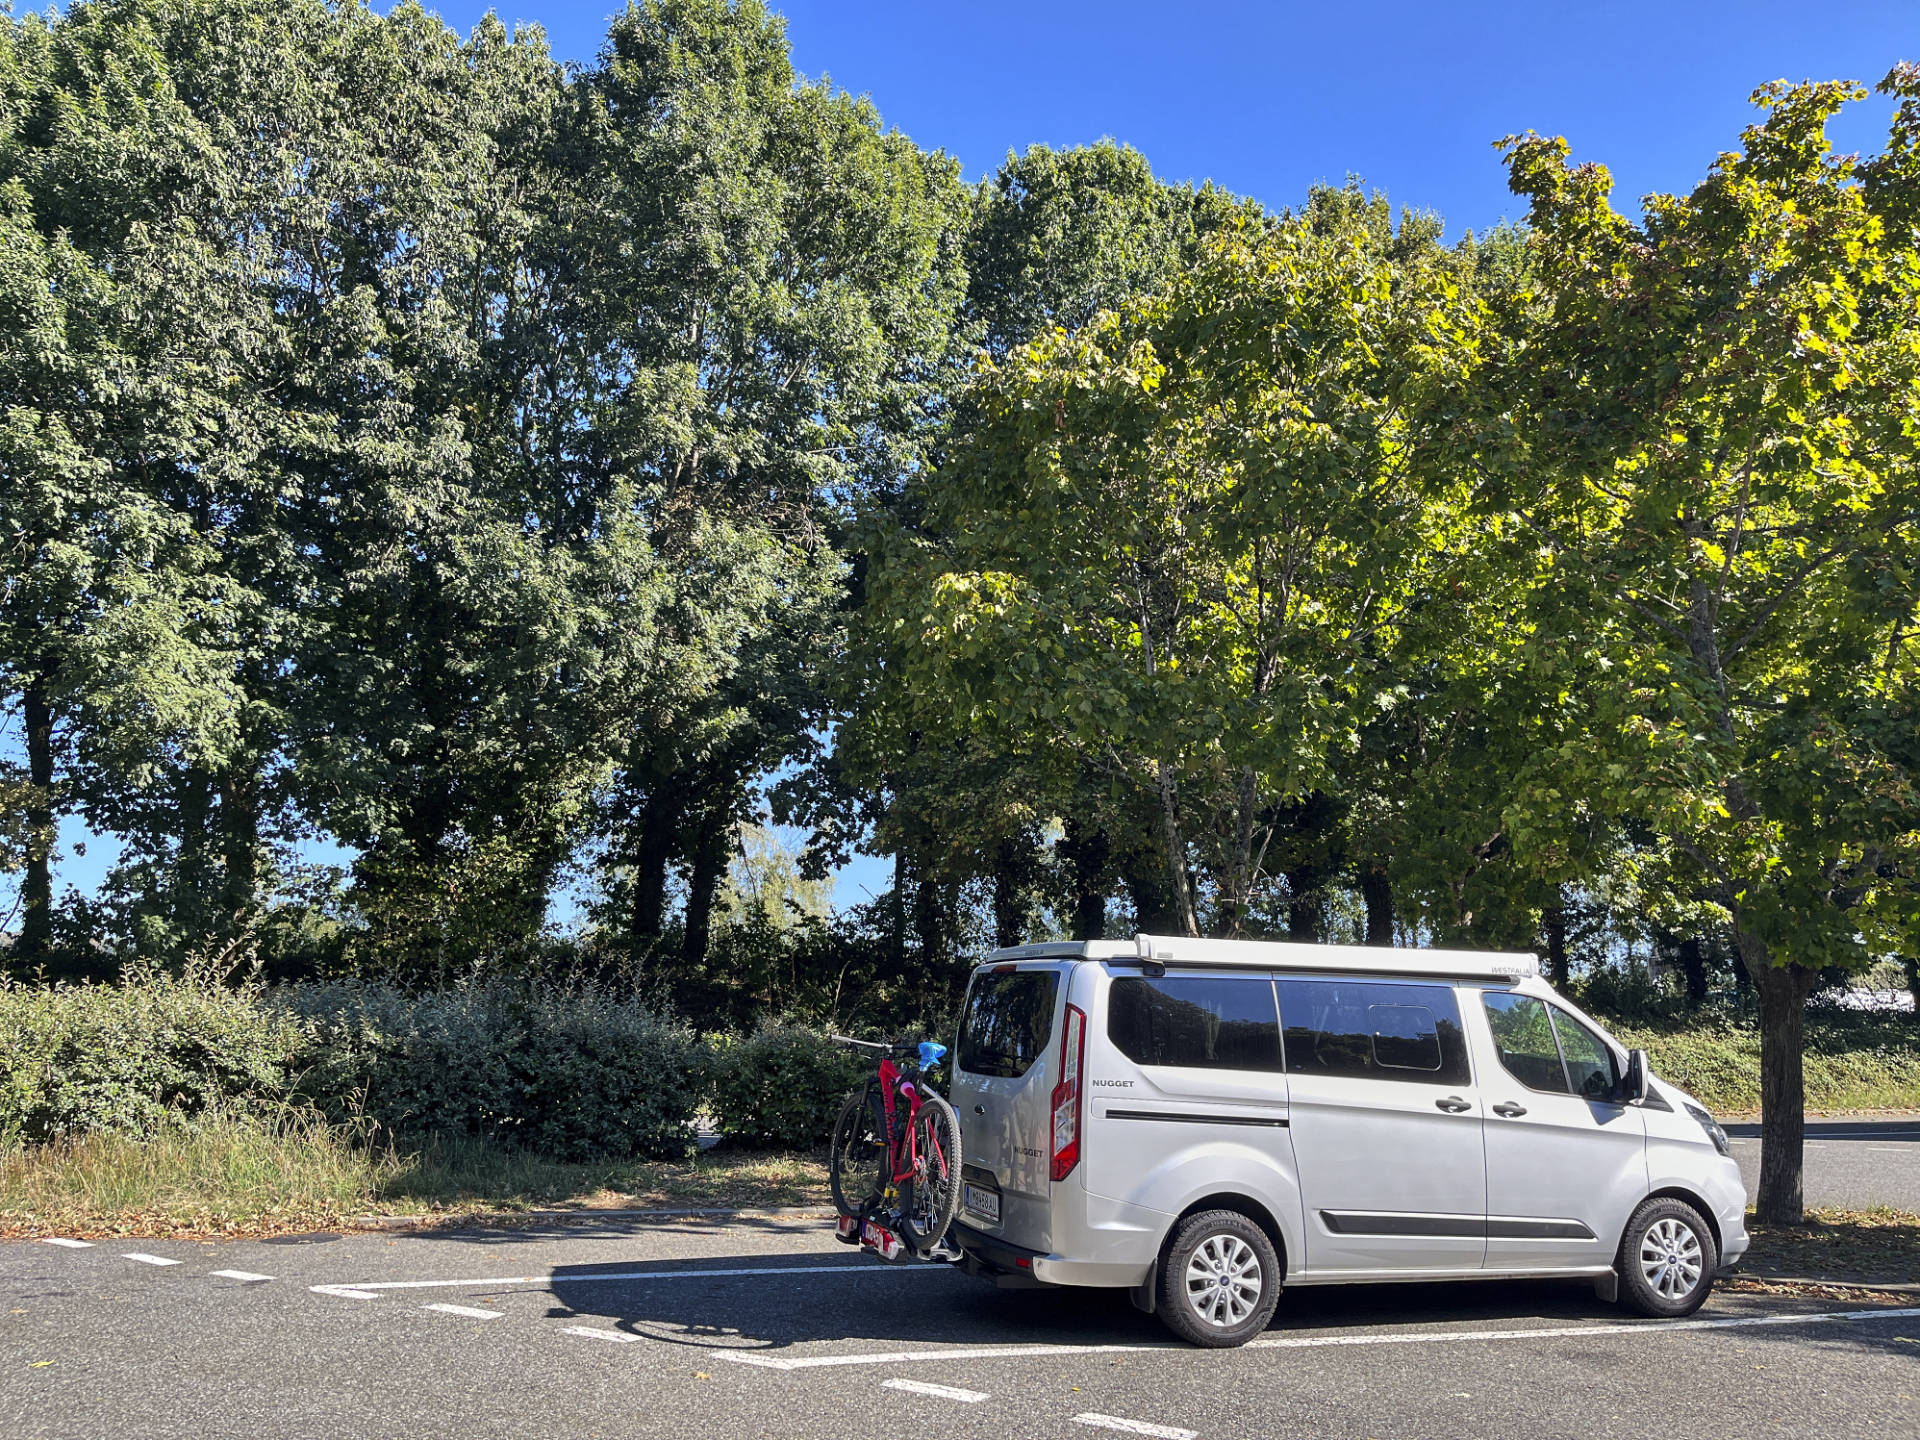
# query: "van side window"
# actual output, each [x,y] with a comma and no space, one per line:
[1589,1062]
[1523,1038]
[1361,1029]
[1225,1023]
[1008,1023]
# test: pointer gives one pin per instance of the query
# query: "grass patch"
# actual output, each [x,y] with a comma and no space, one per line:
[1853,1061]
[466,1174]
[1874,1247]
[246,1176]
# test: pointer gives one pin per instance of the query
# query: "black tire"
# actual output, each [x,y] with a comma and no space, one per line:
[1667,1259]
[857,1153]
[1219,1280]
[929,1201]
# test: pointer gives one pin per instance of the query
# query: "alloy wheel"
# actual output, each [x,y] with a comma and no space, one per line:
[1223,1280]
[1670,1258]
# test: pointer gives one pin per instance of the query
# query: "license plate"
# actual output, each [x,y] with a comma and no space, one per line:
[979,1200]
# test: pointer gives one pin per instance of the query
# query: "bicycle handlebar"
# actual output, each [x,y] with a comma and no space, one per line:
[863,1044]
[915,1048]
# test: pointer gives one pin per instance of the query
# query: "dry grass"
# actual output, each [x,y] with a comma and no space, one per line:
[1878,1247]
[295,1173]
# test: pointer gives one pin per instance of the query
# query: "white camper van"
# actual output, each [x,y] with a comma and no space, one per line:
[1202,1121]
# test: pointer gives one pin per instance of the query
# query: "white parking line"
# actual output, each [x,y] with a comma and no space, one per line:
[240,1275]
[1306,1342]
[148,1259]
[69,1244]
[618,1337]
[470,1311]
[1134,1427]
[369,1289]
[939,1392]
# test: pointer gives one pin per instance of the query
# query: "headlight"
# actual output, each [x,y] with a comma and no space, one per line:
[1712,1127]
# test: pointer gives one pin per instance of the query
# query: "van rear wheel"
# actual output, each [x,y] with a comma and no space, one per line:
[1219,1280]
[1667,1259]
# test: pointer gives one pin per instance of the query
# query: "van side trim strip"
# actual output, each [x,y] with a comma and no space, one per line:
[1185,1119]
[1366,1222]
[1501,1227]
[1495,1227]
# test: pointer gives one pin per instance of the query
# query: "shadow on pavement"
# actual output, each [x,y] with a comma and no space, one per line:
[912,1308]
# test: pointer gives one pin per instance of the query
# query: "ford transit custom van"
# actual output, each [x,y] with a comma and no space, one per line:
[1200,1122]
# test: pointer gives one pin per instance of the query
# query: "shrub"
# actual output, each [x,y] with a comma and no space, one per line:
[576,1075]
[149,1053]
[783,1085]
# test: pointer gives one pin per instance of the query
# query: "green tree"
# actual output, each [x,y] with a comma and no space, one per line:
[772,279]
[1167,545]
[1710,453]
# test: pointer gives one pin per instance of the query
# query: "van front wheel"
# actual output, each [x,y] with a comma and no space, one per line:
[1667,1259]
[1219,1280]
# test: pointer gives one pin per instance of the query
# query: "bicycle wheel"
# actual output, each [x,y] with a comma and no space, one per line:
[933,1194]
[857,1153]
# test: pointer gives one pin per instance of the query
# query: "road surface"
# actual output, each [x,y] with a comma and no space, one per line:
[746,1327]
[1851,1164]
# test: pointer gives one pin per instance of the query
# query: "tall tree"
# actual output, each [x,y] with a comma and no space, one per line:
[1712,458]
[773,278]
[1163,546]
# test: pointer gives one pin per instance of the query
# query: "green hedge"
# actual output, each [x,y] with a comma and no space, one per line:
[569,1076]
[150,1053]
[783,1085]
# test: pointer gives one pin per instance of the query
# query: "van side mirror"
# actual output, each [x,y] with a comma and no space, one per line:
[1633,1084]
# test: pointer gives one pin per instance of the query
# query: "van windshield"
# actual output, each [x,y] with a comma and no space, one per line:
[1009,1021]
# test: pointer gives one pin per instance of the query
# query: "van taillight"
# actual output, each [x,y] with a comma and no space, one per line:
[1066,1094]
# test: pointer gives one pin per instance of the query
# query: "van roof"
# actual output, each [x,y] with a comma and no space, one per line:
[1283,955]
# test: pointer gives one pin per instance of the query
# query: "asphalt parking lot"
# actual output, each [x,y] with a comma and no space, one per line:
[744,1327]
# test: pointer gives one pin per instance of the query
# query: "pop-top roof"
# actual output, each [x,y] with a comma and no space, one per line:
[1283,955]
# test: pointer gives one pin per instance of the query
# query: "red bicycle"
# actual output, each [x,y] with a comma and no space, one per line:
[894,1162]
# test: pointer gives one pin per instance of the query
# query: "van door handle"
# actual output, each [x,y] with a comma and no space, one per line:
[1509,1109]
[1453,1104]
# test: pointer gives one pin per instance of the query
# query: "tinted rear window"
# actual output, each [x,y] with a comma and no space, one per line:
[1212,1023]
[1009,1021]
[1365,1030]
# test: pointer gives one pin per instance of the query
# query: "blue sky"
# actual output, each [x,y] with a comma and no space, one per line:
[1268,98]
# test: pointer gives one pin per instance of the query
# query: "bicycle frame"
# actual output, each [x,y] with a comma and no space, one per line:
[900,1138]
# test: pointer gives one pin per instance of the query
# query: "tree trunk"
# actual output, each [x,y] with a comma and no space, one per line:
[659,830]
[1693,968]
[1144,874]
[240,844]
[1086,851]
[1377,891]
[1240,882]
[1176,852]
[929,924]
[35,944]
[1913,984]
[1012,870]
[897,913]
[1783,1100]
[709,863]
[1553,927]
[1303,906]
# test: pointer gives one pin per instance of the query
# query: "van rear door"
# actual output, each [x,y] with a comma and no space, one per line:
[1002,1089]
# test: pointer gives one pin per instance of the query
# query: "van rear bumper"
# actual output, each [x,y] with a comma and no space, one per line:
[1009,1266]
[1015,1267]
